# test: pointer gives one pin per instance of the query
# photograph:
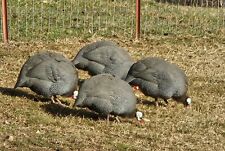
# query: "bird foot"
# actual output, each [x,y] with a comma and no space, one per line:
[57,101]
[117,119]
[156,103]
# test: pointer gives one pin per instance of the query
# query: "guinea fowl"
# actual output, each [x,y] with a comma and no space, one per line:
[49,74]
[106,94]
[104,57]
[159,79]
[81,62]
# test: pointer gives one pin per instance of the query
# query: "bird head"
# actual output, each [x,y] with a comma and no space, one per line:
[75,94]
[139,115]
[186,100]
[136,88]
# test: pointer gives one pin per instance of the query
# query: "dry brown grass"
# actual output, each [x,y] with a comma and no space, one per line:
[29,122]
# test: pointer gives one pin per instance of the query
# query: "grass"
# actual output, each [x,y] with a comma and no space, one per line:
[29,121]
[50,20]
[191,37]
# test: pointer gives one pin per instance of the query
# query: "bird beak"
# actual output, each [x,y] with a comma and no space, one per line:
[135,88]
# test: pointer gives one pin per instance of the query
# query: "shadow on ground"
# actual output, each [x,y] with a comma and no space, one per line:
[58,110]
[151,103]
[22,94]
[146,102]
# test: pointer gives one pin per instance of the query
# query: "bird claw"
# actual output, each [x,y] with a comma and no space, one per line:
[117,119]
[61,104]
[58,102]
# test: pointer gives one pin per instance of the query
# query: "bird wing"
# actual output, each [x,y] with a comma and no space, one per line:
[46,70]
[108,55]
[53,72]
[100,105]
[140,70]
[148,75]
[95,45]
[136,68]
[38,71]
[100,55]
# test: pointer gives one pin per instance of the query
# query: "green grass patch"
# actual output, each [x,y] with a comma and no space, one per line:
[51,20]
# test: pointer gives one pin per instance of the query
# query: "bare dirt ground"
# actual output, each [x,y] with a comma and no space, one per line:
[30,122]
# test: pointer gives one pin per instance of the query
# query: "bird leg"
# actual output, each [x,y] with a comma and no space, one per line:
[117,119]
[165,100]
[108,116]
[156,102]
[55,100]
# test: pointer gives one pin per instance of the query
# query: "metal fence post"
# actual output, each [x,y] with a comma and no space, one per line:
[4,21]
[138,16]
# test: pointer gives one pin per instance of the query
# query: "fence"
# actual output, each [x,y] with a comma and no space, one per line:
[55,19]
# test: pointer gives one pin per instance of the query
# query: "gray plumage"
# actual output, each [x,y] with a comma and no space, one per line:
[48,74]
[106,94]
[159,79]
[104,57]
[80,61]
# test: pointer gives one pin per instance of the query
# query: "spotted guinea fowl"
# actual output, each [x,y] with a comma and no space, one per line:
[106,94]
[81,62]
[104,57]
[49,74]
[159,79]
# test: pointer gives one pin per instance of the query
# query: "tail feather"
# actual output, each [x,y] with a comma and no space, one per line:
[20,83]
[75,62]
[129,78]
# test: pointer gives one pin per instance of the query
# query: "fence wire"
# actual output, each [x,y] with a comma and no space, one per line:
[54,19]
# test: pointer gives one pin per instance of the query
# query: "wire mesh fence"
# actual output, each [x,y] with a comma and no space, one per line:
[54,19]
[174,18]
